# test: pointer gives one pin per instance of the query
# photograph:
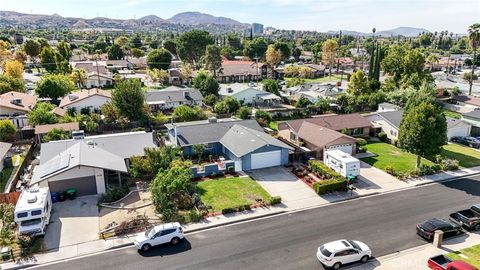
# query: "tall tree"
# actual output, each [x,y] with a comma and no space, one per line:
[14,69]
[255,48]
[31,48]
[42,114]
[115,52]
[54,86]
[159,59]
[329,51]
[170,45]
[65,50]
[284,49]
[129,98]
[271,86]
[79,76]
[213,60]
[423,129]
[273,57]
[474,40]
[7,129]
[48,59]
[191,46]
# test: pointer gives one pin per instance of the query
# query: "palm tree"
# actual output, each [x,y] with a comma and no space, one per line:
[432,59]
[474,40]
[79,76]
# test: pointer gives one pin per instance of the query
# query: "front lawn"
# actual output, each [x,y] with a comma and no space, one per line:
[466,156]
[389,155]
[4,176]
[230,192]
[470,255]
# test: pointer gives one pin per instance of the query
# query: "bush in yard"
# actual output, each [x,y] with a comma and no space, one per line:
[425,170]
[382,136]
[325,186]
[448,164]
[390,170]
[321,169]
[113,194]
[275,200]
[24,240]
[436,167]
[244,207]
[228,210]
[361,142]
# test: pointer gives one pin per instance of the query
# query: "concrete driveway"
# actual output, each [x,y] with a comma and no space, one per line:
[376,179]
[73,222]
[279,181]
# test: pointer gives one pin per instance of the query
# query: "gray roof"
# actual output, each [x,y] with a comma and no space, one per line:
[206,132]
[172,94]
[241,140]
[473,114]
[4,147]
[393,117]
[451,122]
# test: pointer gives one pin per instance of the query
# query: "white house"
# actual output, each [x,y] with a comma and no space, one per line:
[457,127]
[95,79]
[88,164]
[92,99]
[387,107]
[249,94]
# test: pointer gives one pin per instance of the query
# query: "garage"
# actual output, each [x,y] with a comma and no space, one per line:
[457,127]
[84,185]
[347,148]
[266,159]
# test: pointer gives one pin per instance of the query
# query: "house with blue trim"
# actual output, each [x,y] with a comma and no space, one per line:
[242,141]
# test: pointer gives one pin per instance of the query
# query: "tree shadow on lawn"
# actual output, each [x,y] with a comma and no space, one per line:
[464,160]
[167,249]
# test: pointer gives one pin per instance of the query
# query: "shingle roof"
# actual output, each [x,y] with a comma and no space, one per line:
[393,117]
[241,140]
[452,122]
[42,129]
[81,95]
[321,136]
[240,68]
[79,154]
[473,114]
[27,101]
[4,147]
[333,121]
[205,132]
[467,99]
[172,94]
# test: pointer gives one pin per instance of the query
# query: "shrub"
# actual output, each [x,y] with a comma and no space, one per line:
[325,186]
[425,170]
[228,210]
[244,207]
[193,216]
[24,240]
[275,200]
[361,142]
[113,194]
[321,169]
[382,136]
[448,164]
[391,170]
[436,167]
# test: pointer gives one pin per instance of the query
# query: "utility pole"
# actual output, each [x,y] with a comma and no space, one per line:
[256,62]
[338,50]
[98,71]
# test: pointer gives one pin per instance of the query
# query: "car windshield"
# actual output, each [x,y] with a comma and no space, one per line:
[31,222]
[430,226]
[354,245]
[325,251]
[150,233]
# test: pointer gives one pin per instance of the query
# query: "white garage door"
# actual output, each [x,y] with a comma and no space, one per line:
[347,148]
[266,159]
[457,131]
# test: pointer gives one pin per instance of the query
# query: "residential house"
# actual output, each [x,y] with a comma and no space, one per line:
[317,138]
[173,97]
[91,66]
[41,130]
[4,149]
[317,70]
[89,164]
[242,141]
[473,118]
[387,107]
[250,94]
[241,71]
[15,106]
[313,91]
[92,99]
[389,123]
[470,102]
[98,80]
[115,65]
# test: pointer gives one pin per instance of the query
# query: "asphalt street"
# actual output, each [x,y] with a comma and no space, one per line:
[386,223]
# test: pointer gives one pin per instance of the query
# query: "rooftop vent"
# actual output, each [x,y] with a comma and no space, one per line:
[32,198]
[229,90]
[186,94]
[72,97]
[78,135]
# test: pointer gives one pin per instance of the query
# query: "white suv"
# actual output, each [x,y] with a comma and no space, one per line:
[158,235]
[337,253]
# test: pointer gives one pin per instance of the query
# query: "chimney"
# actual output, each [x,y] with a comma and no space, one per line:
[186,94]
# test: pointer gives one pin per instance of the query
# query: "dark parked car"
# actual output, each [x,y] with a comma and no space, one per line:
[468,141]
[468,218]
[427,229]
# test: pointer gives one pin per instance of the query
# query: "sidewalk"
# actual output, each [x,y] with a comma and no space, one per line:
[382,185]
[416,258]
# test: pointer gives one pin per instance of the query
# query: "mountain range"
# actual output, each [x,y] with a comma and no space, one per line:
[399,31]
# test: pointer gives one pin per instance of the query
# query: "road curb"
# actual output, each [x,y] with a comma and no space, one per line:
[447,179]
[17,267]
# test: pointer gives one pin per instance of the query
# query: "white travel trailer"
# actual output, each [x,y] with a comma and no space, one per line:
[342,163]
[32,212]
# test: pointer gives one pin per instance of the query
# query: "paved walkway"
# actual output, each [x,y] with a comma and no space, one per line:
[416,258]
[369,185]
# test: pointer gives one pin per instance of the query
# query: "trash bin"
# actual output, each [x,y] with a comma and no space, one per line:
[61,196]
[54,197]
[71,193]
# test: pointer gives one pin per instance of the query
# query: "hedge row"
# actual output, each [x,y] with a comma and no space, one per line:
[273,200]
[321,169]
[334,184]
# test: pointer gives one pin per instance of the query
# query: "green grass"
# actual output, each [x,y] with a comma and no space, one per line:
[472,255]
[4,176]
[389,155]
[322,79]
[467,157]
[230,192]
[273,125]
[451,114]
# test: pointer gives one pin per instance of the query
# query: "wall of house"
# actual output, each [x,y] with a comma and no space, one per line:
[93,82]
[248,96]
[76,172]
[247,159]
[10,111]
[93,102]
[211,169]
[215,150]
[461,129]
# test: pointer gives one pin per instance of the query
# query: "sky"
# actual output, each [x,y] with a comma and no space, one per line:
[321,15]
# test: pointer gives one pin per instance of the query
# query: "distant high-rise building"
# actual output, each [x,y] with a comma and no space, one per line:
[257,28]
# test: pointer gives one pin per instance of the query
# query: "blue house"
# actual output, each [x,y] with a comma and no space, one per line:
[242,141]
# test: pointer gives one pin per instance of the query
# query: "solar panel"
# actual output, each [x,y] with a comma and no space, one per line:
[54,165]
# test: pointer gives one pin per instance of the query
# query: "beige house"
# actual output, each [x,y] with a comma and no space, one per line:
[16,103]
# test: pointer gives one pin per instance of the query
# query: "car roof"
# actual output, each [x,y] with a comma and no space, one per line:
[435,223]
[338,245]
[172,225]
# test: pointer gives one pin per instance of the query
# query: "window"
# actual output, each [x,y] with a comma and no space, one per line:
[208,146]
[22,215]
[357,131]
[325,251]
[342,253]
[36,212]
[293,137]
[30,222]
[168,231]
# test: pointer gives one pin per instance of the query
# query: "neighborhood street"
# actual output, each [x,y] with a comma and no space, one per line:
[386,223]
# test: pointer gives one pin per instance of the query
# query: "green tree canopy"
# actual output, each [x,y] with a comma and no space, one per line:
[227,105]
[271,86]
[159,59]
[212,59]
[185,113]
[7,130]
[129,99]
[42,114]
[56,134]
[8,83]
[54,86]
[48,59]
[31,48]
[284,48]
[115,52]
[255,48]
[263,118]
[205,82]
[191,46]
[64,50]
[244,113]
[170,45]
[155,159]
